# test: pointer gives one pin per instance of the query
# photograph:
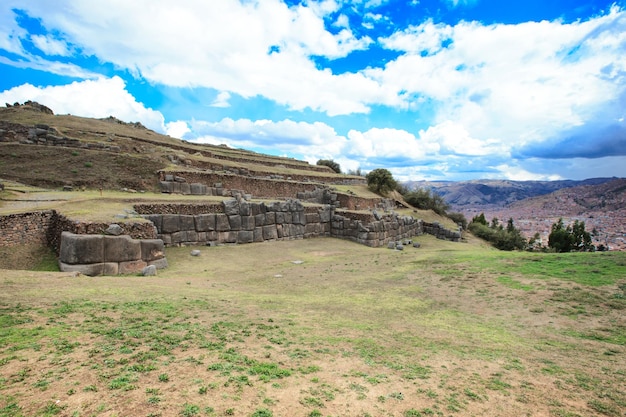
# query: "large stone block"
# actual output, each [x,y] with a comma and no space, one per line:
[152,249]
[247,223]
[259,219]
[187,222]
[205,222]
[235,222]
[221,222]
[157,221]
[131,267]
[121,249]
[81,249]
[270,218]
[185,188]
[179,237]
[245,236]
[228,237]
[258,234]
[269,232]
[312,218]
[170,223]
[192,236]
[159,263]
[91,270]
[166,187]
[231,207]
[244,208]
[198,189]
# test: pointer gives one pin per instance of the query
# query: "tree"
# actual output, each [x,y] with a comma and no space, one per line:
[331,164]
[568,238]
[560,238]
[380,181]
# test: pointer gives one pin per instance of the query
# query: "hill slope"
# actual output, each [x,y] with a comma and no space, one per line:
[42,149]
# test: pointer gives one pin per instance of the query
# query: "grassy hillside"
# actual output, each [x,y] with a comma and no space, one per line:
[321,327]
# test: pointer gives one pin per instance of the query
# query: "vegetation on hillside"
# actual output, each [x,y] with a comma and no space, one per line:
[331,164]
[504,238]
[570,238]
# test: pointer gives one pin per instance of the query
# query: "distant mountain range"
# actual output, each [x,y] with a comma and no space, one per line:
[498,193]
[536,205]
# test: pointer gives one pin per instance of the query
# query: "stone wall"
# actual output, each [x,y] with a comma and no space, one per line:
[26,228]
[240,221]
[258,187]
[109,255]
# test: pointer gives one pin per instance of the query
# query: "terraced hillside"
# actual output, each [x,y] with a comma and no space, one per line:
[52,151]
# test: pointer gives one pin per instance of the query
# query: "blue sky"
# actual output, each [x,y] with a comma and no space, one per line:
[429,89]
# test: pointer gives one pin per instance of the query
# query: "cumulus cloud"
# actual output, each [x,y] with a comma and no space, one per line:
[315,140]
[92,98]
[222,100]
[226,45]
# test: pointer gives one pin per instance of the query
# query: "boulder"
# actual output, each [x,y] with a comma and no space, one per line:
[152,249]
[149,271]
[195,252]
[114,230]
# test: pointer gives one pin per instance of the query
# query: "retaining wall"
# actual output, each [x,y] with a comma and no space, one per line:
[109,255]
[240,221]
[26,228]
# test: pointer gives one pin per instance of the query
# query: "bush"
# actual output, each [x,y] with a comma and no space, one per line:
[504,239]
[458,218]
[381,181]
[331,164]
[425,199]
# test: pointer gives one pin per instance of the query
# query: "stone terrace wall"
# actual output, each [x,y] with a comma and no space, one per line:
[243,222]
[26,228]
[60,224]
[259,187]
[109,255]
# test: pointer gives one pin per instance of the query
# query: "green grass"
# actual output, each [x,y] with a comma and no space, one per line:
[350,325]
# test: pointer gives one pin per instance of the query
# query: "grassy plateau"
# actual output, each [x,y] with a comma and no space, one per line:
[321,327]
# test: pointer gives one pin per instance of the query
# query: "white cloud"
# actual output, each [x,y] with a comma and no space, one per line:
[51,46]
[92,98]
[222,44]
[519,83]
[312,140]
[454,139]
[388,143]
[177,129]
[222,100]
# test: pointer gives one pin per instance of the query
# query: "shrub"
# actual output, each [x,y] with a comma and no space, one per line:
[425,199]
[509,238]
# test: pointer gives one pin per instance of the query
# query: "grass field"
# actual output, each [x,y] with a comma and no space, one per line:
[321,327]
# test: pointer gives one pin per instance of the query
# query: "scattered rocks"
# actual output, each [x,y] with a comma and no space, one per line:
[298,262]
[149,271]
[114,230]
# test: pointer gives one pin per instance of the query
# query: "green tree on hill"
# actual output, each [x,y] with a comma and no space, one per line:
[569,238]
[381,181]
[331,164]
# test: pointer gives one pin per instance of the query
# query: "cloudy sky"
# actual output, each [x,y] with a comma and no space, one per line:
[429,89]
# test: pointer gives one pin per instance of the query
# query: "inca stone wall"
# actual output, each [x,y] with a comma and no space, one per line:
[241,221]
[26,228]
[109,255]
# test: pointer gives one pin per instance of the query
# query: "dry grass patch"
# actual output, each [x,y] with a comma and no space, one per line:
[346,330]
